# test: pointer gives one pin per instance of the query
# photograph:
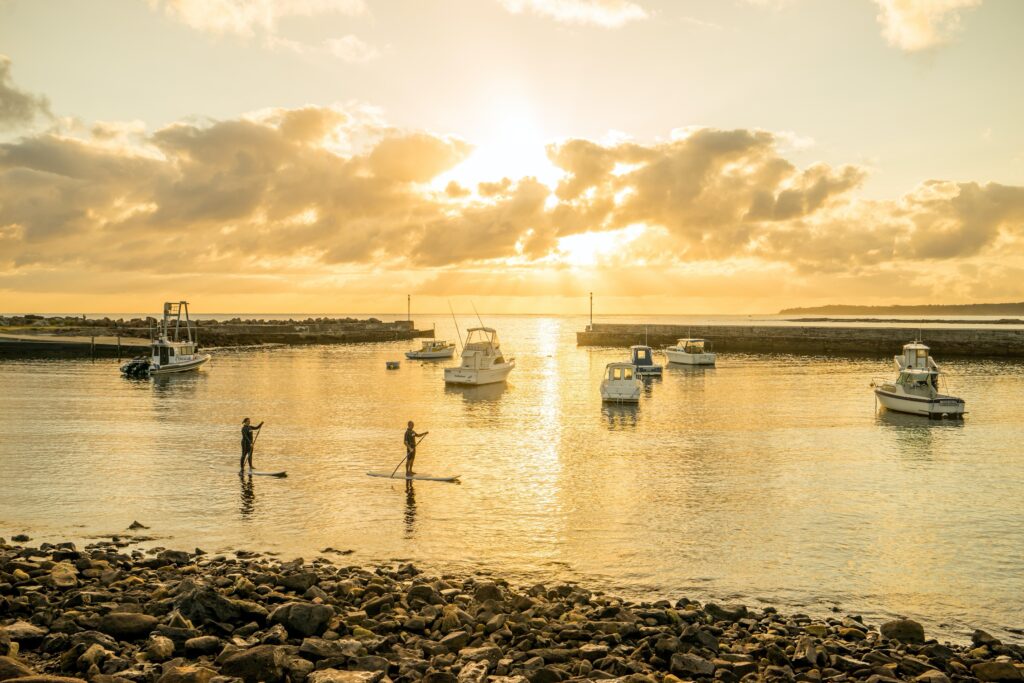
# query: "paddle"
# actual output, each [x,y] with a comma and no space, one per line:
[406,457]
[252,447]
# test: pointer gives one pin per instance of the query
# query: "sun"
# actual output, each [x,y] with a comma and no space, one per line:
[512,144]
[589,249]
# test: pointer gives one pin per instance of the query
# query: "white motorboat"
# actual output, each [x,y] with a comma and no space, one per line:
[691,352]
[169,355]
[916,389]
[643,358]
[482,360]
[621,384]
[432,349]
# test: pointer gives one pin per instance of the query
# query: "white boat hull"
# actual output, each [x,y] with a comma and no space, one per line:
[185,366]
[914,405]
[683,358]
[430,355]
[475,377]
[616,394]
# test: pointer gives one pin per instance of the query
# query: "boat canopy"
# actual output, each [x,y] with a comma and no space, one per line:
[915,355]
[484,336]
[641,353]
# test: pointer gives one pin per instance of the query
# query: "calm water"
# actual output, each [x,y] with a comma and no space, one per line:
[769,478]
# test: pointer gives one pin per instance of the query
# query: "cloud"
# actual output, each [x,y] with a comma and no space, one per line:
[297,196]
[351,49]
[915,25]
[245,17]
[17,107]
[605,13]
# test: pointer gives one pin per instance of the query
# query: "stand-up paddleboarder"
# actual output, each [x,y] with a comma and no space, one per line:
[410,448]
[247,441]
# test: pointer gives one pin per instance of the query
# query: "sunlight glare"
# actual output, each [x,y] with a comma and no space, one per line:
[591,248]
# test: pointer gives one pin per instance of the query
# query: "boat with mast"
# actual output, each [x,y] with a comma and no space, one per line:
[170,355]
[916,388]
[483,361]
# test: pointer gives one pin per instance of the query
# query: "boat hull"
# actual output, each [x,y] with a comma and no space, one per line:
[940,406]
[683,358]
[649,370]
[187,366]
[430,355]
[476,377]
[612,394]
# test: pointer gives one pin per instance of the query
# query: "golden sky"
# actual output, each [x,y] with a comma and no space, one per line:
[672,156]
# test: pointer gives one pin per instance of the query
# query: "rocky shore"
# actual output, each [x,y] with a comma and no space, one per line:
[107,613]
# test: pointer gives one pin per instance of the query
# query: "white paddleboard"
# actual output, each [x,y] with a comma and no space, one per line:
[418,477]
[269,474]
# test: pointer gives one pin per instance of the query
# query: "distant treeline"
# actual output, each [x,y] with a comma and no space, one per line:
[928,309]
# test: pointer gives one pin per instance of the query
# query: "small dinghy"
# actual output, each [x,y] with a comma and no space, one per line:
[417,477]
[432,349]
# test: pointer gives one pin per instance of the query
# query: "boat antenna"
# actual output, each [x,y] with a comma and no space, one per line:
[455,321]
[477,314]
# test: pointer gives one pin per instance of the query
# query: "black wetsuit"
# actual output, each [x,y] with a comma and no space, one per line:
[410,447]
[247,431]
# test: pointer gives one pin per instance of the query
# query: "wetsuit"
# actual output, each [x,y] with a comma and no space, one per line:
[410,449]
[247,440]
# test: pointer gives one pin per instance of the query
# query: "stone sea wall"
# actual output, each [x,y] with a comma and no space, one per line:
[881,341]
[109,614]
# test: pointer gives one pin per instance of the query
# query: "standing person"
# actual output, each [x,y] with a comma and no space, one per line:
[247,440]
[410,448]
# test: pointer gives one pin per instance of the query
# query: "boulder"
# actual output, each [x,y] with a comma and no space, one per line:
[423,593]
[303,618]
[338,676]
[487,591]
[159,648]
[203,604]
[725,613]
[260,663]
[12,668]
[299,582]
[203,645]
[63,575]
[44,679]
[997,670]
[22,631]
[933,676]
[903,630]
[980,637]
[686,665]
[127,625]
[318,648]
[187,674]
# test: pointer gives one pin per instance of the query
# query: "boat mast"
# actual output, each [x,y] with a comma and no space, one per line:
[456,323]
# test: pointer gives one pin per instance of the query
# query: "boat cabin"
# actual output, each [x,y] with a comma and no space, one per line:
[915,355]
[619,372]
[693,345]
[482,342]
[168,352]
[433,345]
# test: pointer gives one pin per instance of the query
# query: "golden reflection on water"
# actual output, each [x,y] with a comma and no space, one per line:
[766,477]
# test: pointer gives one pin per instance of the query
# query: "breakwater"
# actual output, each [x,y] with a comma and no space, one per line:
[73,337]
[111,614]
[816,340]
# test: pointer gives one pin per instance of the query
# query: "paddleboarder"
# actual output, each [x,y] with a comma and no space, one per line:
[410,448]
[247,441]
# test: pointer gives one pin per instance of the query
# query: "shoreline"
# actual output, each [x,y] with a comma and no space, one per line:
[109,613]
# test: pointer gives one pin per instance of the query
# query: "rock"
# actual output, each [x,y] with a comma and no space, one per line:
[203,645]
[21,538]
[980,637]
[63,575]
[260,663]
[686,665]
[729,613]
[303,618]
[455,641]
[127,625]
[203,604]
[545,674]
[903,630]
[474,672]
[159,648]
[187,674]
[487,653]
[337,676]
[487,591]
[40,678]
[177,557]
[997,670]
[423,594]
[22,631]
[933,676]
[318,648]
[299,582]
[12,668]
[377,605]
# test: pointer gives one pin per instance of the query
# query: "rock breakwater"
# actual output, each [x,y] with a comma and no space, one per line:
[107,614]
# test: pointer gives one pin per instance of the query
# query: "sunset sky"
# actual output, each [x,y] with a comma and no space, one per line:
[672,156]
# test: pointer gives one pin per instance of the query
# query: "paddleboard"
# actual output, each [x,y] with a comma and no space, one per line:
[269,474]
[417,477]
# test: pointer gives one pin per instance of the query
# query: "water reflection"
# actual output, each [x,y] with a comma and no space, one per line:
[410,508]
[620,415]
[485,393]
[247,496]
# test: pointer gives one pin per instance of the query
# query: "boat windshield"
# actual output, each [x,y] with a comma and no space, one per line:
[621,373]
[643,356]
[917,380]
[695,346]
[482,336]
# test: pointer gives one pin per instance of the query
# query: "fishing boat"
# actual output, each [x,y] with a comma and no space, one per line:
[916,388]
[482,360]
[691,352]
[432,349]
[620,384]
[643,358]
[169,355]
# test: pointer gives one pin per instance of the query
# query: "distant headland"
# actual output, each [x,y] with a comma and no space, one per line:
[924,309]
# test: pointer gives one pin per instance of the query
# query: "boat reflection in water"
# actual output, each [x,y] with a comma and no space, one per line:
[621,415]
[481,393]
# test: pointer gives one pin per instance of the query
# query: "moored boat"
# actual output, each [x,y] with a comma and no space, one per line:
[482,360]
[643,358]
[620,384]
[167,355]
[432,349]
[691,352]
[916,388]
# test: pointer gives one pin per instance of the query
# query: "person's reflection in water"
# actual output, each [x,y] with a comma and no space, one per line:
[410,509]
[248,497]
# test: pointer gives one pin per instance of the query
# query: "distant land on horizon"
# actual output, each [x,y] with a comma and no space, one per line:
[923,309]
